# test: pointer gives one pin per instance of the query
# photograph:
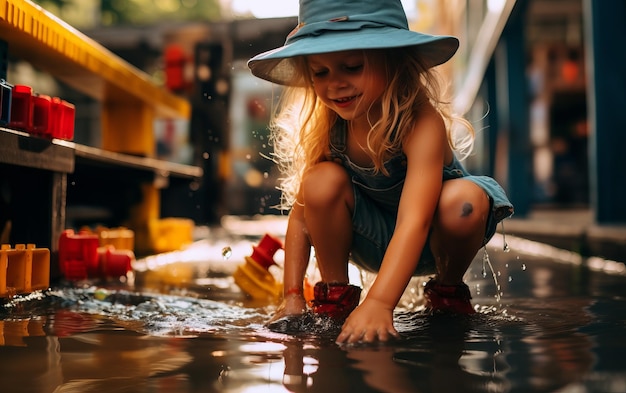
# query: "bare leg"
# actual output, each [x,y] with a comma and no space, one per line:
[328,205]
[458,228]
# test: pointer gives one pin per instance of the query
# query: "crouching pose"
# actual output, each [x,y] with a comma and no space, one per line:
[371,166]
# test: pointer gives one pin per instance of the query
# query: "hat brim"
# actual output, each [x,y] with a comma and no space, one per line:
[276,65]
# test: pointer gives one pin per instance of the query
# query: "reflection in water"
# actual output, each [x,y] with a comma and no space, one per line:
[447,352]
[557,328]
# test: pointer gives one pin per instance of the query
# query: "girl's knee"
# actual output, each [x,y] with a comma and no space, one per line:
[463,209]
[327,182]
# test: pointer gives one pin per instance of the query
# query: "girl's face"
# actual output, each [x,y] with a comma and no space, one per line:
[348,83]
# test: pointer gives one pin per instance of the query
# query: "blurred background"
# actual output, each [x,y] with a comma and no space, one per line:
[535,77]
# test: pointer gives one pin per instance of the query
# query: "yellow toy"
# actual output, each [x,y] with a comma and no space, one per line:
[254,277]
[23,269]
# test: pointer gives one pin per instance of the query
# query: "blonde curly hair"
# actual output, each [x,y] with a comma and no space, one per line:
[301,124]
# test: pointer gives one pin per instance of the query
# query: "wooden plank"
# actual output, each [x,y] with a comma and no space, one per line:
[19,148]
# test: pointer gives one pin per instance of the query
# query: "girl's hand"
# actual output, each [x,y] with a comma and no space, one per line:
[370,322]
[292,304]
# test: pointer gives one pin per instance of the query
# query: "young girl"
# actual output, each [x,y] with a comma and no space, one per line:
[364,139]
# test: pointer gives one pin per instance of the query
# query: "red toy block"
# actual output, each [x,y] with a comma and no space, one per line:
[22,106]
[81,257]
[115,263]
[78,255]
[42,115]
[63,116]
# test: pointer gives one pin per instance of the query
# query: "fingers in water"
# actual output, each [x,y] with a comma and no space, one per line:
[351,337]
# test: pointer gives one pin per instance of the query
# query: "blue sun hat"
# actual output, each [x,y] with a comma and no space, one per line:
[336,25]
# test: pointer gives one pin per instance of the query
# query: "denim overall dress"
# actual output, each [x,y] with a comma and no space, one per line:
[377,198]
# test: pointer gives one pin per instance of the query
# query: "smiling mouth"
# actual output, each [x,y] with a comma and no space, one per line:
[345,100]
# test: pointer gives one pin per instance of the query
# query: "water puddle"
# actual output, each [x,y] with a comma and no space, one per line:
[542,326]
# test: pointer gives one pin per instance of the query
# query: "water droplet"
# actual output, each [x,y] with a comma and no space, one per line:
[227,252]
[506,247]
[485,260]
[523,266]
[510,278]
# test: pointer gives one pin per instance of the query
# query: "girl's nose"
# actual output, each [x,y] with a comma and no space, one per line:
[337,81]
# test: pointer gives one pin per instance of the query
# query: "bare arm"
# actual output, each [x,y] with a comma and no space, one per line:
[297,254]
[426,150]
[297,250]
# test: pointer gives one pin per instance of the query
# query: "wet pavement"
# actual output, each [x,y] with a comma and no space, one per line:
[548,321]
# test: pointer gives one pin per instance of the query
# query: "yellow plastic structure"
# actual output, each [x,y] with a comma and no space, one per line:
[131,101]
[120,238]
[257,281]
[165,235]
[23,269]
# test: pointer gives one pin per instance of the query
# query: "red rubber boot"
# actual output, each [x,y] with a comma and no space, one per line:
[448,298]
[335,300]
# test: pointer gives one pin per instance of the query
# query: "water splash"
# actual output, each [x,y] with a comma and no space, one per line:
[505,246]
[227,252]
[306,324]
[487,262]
[483,271]
[155,314]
